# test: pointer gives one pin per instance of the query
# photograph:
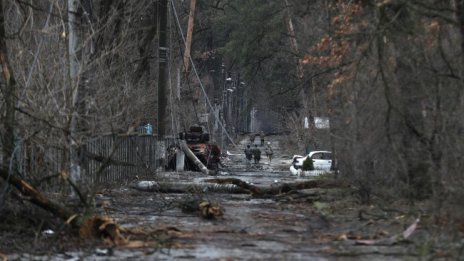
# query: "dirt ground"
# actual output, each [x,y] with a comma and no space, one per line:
[310,224]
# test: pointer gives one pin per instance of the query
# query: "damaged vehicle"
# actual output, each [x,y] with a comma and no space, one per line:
[322,160]
[197,139]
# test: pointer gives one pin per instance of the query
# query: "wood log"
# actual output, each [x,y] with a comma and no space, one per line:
[185,187]
[38,198]
[275,190]
[88,226]
[232,185]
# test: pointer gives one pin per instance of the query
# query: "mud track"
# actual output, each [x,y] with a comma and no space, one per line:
[311,224]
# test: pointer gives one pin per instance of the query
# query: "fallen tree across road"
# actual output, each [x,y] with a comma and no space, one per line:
[88,226]
[233,185]
[186,187]
[278,189]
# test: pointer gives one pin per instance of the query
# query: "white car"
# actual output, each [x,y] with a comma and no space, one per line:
[322,160]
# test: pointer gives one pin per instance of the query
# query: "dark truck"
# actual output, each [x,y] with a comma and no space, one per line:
[197,139]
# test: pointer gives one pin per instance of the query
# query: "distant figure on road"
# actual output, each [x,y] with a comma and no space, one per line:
[252,138]
[261,136]
[248,154]
[256,154]
[268,150]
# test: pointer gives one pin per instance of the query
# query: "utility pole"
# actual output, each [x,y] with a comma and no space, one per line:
[188,44]
[162,61]
[8,89]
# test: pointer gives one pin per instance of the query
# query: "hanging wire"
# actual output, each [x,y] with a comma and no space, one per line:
[198,77]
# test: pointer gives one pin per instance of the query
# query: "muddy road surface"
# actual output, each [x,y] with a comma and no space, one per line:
[308,224]
[282,227]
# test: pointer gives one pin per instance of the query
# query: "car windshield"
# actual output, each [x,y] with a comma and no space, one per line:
[322,155]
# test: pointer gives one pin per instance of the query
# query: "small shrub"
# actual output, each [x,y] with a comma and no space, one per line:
[307,164]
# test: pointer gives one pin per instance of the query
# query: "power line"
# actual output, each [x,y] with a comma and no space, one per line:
[198,77]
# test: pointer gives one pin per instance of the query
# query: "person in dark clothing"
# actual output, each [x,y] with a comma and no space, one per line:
[256,154]
[252,138]
[248,154]
[268,150]
[261,137]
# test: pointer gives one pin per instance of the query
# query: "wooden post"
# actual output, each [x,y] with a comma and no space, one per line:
[162,60]
[188,44]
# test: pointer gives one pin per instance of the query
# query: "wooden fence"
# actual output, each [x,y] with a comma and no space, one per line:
[114,158]
[104,159]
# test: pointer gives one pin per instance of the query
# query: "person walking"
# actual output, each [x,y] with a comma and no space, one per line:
[256,154]
[252,138]
[248,154]
[268,150]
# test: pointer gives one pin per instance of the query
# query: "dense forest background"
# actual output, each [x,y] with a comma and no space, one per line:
[388,74]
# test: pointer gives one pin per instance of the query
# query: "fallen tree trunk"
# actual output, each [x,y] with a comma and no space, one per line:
[184,187]
[232,185]
[282,188]
[38,198]
[88,226]
[194,159]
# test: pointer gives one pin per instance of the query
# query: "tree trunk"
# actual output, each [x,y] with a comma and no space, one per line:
[74,85]
[39,199]
[185,187]
[283,188]
[233,185]
[460,15]
[8,89]
[293,42]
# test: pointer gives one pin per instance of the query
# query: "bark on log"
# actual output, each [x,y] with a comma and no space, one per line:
[89,227]
[232,185]
[38,198]
[194,159]
[184,187]
[275,190]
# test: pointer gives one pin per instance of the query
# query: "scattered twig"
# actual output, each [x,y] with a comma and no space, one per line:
[391,240]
